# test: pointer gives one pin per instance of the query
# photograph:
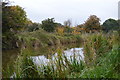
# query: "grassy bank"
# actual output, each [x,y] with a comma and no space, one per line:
[41,38]
[101,51]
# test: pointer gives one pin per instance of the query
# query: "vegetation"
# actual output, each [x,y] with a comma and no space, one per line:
[41,38]
[33,26]
[13,21]
[101,56]
[101,61]
[110,25]
[49,25]
[14,18]
[92,24]
[101,46]
[67,23]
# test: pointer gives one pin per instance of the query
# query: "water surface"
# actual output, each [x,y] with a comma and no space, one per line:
[69,53]
[40,55]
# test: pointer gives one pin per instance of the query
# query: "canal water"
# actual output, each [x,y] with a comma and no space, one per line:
[40,55]
[69,54]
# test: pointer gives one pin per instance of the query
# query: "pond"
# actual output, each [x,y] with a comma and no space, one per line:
[40,55]
[69,53]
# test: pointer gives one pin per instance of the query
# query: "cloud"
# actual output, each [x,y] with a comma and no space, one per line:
[61,10]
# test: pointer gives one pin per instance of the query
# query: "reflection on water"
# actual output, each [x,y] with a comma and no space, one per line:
[9,56]
[70,53]
[8,59]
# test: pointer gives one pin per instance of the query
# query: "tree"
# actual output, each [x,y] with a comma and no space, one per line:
[49,25]
[67,23]
[110,25]
[13,20]
[67,26]
[14,17]
[92,24]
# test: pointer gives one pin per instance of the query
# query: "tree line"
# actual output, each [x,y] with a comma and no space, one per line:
[14,20]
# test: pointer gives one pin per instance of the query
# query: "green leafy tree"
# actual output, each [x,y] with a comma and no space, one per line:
[92,24]
[13,20]
[110,25]
[13,17]
[49,25]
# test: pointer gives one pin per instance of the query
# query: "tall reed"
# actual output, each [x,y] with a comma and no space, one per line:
[102,52]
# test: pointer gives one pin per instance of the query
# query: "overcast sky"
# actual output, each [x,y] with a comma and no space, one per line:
[76,10]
